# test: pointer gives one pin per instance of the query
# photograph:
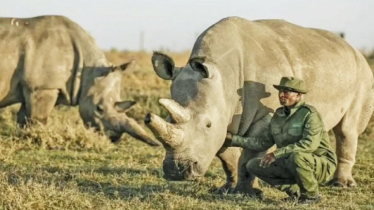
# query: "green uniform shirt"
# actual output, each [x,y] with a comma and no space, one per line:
[302,130]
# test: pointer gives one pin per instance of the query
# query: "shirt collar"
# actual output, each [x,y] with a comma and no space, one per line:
[295,108]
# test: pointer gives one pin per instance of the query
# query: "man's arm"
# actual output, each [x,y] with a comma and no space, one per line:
[253,143]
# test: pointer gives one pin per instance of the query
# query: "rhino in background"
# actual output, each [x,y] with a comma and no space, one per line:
[227,86]
[50,60]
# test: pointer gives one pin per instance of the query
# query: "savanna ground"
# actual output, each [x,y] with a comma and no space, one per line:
[65,166]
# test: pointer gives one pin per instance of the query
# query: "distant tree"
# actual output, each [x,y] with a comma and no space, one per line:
[113,50]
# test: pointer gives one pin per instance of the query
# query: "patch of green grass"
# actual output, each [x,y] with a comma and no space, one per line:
[128,175]
[65,166]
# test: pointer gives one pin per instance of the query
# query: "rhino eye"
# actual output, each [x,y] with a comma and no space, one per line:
[209,124]
[99,109]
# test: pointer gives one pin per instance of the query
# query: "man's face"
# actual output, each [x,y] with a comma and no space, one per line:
[288,98]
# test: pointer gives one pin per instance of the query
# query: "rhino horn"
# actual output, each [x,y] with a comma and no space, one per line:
[165,132]
[178,113]
[129,125]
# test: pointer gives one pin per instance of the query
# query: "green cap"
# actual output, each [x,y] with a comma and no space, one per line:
[292,84]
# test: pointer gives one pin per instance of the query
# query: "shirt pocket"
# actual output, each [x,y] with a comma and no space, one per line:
[295,130]
[276,131]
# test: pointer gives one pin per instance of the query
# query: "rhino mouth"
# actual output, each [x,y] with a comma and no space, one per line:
[115,138]
[180,170]
[113,135]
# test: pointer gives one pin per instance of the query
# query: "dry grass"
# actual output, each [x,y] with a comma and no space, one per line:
[65,166]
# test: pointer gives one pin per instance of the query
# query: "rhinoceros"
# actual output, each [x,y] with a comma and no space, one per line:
[50,60]
[226,86]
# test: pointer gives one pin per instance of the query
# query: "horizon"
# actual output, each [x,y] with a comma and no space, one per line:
[174,25]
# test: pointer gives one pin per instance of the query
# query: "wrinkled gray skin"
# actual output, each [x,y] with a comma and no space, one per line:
[50,60]
[227,86]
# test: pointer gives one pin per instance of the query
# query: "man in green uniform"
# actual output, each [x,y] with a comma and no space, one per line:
[303,158]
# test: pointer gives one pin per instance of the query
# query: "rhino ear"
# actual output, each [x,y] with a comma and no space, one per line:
[197,64]
[127,65]
[164,66]
[124,106]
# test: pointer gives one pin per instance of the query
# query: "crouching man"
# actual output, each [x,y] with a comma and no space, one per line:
[303,158]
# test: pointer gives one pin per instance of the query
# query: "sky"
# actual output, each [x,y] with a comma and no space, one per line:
[174,25]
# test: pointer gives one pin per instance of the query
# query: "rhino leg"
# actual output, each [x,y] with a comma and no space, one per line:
[229,157]
[37,106]
[346,147]
[22,116]
[238,179]
[247,182]
[346,133]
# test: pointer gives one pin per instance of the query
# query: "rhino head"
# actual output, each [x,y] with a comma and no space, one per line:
[101,107]
[197,123]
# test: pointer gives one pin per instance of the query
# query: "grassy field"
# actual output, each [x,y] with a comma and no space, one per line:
[65,166]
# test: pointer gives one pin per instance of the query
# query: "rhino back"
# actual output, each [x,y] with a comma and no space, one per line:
[43,52]
[256,54]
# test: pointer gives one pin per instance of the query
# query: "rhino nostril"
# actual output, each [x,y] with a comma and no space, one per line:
[147,118]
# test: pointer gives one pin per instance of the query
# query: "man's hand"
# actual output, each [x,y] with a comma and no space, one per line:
[228,139]
[267,160]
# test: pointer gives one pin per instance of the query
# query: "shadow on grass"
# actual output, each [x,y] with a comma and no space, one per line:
[133,188]
[125,192]
[107,171]
[46,175]
[163,190]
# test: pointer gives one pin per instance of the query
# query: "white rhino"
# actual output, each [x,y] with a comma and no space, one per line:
[227,86]
[50,60]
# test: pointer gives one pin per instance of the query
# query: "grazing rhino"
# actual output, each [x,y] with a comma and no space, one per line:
[50,60]
[227,86]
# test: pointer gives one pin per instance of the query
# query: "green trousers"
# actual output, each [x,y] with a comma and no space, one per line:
[299,171]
